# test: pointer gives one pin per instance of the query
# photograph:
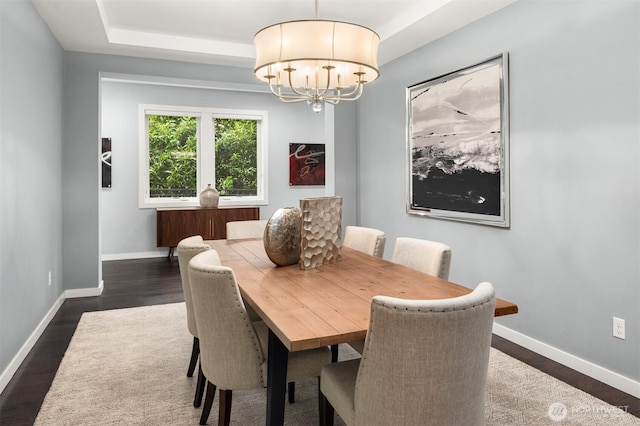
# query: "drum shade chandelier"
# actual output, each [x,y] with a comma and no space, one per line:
[316,61]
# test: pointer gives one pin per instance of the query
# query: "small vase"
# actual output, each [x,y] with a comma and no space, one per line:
[209,197]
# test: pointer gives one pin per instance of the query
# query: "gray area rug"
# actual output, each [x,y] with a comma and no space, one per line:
[128,367]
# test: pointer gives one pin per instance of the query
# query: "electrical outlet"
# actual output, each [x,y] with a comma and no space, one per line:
[618,328]
[49,278]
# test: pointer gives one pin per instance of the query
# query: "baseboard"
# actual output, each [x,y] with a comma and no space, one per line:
[84,292]
[13,366]
[17,360]
[139,255]
[597,372]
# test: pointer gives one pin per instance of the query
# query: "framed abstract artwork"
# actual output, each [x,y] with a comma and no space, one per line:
[106,162]
[306,164]
[458,145]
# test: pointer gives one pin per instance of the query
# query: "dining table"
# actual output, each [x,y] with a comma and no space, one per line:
[324,306]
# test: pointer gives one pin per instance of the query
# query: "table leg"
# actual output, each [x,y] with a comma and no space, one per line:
[276,380]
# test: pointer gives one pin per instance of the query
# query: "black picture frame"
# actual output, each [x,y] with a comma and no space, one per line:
[105,159]
[307,164]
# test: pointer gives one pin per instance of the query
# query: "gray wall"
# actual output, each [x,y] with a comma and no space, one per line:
[31,69]
[119,205]
[82,240]
[81,150]
[345,132]
[570,259]
[51,200]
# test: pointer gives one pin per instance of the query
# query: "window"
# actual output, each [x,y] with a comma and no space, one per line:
[182,149]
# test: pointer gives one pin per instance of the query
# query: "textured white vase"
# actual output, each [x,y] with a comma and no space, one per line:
[209,197]
[321,239]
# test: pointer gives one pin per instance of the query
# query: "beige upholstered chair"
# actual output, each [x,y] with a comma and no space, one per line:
[232,348]
[366,240]
[426,256]
[187,249]
[245,229]
[241,229]
[425,362]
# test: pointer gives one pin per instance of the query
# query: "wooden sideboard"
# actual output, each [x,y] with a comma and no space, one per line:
[174,224]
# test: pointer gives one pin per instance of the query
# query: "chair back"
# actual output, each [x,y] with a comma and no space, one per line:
[366,240]
[187,248]
[231,356]
[426,256]
[425,361]
[237,230]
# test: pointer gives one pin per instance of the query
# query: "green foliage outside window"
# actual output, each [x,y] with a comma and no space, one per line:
[173,162]
[172,156]
[236,156]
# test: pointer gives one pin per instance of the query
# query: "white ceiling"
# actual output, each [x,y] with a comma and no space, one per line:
[221,31]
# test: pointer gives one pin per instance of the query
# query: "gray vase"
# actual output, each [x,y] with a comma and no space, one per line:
[209,197]
[282,236]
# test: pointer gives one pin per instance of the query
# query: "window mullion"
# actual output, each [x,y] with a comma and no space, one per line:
[206,155]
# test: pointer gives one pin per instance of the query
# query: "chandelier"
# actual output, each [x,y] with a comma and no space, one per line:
[316,61]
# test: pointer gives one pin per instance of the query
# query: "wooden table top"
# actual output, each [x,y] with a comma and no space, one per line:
[331,304]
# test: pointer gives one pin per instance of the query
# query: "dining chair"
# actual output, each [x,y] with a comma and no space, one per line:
[426,256]
[233,349]
[187,248]
[237,230]
[366,240]
[425,362]
[242,229]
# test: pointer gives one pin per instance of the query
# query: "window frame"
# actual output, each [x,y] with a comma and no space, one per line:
[205,154]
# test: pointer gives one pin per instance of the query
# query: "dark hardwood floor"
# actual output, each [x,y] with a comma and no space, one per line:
[130,283]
